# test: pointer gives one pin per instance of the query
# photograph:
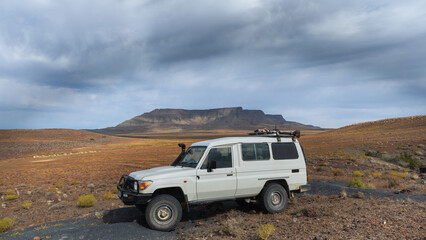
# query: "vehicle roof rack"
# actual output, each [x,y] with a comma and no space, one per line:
[264,132]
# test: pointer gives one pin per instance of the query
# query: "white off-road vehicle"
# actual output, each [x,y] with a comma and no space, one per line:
[266,168]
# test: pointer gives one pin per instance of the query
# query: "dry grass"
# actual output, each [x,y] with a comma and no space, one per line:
[9,192]
[109,195]
[27,204]
[357,174]
[265,231]
[398,175]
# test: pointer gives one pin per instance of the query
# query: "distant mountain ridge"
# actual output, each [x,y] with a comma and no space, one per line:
[210,119]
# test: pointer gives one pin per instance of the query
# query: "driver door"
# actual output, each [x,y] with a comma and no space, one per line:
[221,182]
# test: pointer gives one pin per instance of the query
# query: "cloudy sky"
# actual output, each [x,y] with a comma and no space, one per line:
[93,64]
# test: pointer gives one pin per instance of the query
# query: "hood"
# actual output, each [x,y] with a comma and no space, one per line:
[161,172]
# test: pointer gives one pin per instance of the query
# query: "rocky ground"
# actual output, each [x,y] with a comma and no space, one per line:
[47,172]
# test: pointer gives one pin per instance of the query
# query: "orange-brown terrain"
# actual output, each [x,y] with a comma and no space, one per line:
[52,168]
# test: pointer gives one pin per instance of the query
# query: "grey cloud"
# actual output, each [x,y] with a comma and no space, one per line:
[205,54]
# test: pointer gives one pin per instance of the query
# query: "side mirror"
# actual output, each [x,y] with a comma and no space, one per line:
[211,165]
[182,145]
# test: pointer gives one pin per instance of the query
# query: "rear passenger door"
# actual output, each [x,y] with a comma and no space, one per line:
[221,182]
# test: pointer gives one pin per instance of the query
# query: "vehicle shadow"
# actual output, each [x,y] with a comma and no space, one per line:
[197,212]
[126,214]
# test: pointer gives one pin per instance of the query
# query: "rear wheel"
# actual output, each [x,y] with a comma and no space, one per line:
[163,213]
[274,198]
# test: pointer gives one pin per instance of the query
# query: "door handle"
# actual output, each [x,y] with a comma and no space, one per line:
[229,174]
[198,177]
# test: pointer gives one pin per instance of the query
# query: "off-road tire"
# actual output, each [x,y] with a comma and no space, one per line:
[163,213]
[274,198]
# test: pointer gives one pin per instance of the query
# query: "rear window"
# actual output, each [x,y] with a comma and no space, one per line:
[255,151]
[282,151]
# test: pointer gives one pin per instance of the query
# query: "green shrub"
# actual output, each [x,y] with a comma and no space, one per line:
[115,190]
[74,182]
[412,163]
[5,224]
[357,174]
[358,183]
[266,230]
[10,197]
[373,153]
[86,201]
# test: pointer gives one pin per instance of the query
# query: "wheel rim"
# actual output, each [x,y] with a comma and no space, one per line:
[163,214]
[276,198]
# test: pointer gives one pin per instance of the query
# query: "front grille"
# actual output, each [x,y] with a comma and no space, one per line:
[126,183]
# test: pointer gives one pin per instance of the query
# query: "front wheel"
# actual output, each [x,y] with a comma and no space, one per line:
[163,213]
[274,198]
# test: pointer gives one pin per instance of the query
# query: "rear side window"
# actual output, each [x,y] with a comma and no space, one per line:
[282,151]
[255,151]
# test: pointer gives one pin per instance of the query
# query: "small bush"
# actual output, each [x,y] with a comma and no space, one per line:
[375,174]
[9,192]
[109,195]
[324,164]
[358,183]
[265,230]
[372,153]
[337,171]
[27,204]
[74,182]
[59,184]
[86,201]
[51,189]
[5,224]
[398,175]
[357,174]
[115,190]
[10,197]
[358,195]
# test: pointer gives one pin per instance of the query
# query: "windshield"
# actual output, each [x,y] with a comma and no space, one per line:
[192,157]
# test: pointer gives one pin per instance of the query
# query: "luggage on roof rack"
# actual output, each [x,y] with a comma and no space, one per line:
[263,132]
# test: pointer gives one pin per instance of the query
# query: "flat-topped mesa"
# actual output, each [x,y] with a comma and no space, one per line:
[223,118]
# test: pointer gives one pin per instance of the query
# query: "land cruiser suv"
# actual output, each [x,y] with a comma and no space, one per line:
[266,168]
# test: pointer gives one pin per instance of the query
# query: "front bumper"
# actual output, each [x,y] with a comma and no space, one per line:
[128,194]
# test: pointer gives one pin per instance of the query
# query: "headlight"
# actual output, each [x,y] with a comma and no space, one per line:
[135,186]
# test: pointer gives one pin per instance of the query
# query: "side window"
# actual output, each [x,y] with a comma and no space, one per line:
[282,151]
[222,156]
[255,151]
